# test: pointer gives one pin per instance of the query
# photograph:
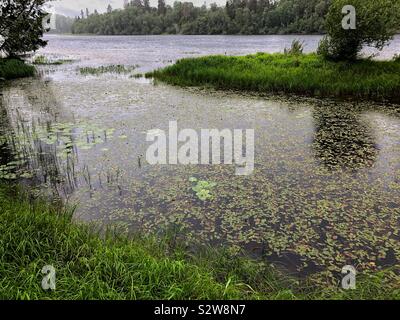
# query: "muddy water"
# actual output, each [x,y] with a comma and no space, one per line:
[326,184]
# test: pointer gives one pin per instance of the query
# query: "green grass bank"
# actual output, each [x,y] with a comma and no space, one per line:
[305,74]
[15,68]
[90,266]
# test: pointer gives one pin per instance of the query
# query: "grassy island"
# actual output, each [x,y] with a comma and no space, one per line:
[306,74]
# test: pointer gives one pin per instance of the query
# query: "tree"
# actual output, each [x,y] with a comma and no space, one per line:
[21,26]
[146,4]
[238,16]
[137,3]
[162,9]
[109,9]
[376,22]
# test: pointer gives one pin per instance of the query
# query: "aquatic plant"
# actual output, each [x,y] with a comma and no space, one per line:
[35,233]
[119,69]
[203,188]
[60,140]
[43,60]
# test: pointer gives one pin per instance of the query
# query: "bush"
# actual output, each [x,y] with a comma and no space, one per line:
[15,68]
[376,23]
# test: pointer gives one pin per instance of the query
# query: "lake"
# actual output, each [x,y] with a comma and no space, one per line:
[325,188]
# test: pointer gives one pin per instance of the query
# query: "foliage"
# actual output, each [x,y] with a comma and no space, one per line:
[376,23]
[296,48]
[309,75]
[203,188]
[237,17]
[15,68]
[63,24]
[21,26]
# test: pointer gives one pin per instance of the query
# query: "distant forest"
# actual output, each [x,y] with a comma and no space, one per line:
[63,24]
[248,17]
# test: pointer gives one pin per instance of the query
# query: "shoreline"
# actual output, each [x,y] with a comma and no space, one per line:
[115,266]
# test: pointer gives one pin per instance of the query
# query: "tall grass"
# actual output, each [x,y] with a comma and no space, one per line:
[309,75]
[14,68]
[90,266]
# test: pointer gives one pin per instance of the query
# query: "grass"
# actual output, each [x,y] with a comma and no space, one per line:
[112,266]
[90,266]
[15,68]
[120,69]
[307,74]
[42,60]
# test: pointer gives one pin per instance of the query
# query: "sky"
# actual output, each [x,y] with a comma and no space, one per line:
[73,7]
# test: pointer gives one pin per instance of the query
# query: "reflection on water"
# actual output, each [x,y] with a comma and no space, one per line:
[324,193]
[343,138]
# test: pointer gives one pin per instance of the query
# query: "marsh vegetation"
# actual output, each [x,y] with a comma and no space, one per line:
[310,75]
[118,69]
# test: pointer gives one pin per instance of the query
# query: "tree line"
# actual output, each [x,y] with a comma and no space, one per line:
[248,17]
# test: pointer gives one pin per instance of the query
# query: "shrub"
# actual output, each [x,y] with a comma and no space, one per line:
[15,68]
[376,23]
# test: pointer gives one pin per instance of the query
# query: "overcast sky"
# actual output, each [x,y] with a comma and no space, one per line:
[73,7]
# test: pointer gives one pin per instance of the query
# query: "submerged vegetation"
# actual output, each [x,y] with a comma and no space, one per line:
[120,69]
[15,68]
[34,234]
[309,75]
[43,60]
